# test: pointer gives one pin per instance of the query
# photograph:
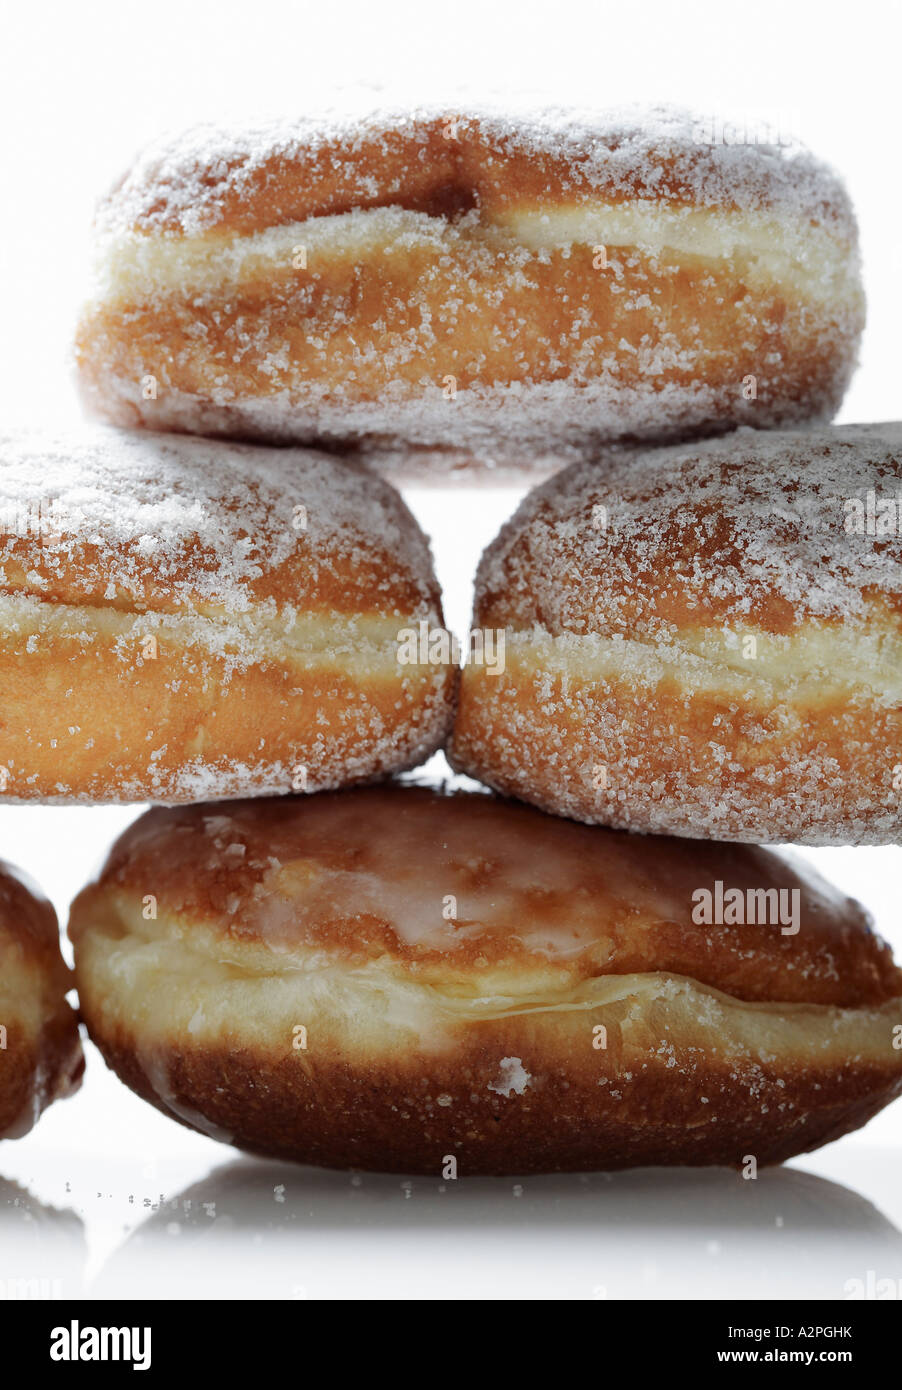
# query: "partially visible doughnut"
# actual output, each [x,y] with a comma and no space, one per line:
[519,286]
[388,977]
[182,620]
[704,640]
[40,1051]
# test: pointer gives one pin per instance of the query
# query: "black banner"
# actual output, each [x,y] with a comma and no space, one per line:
[223,1338]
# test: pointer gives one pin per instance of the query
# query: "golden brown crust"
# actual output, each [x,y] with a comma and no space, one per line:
[471,978]
[268,729]
[41,1057]
[326,1113]
[241,610]
[340,348]
[657,757]
[406,277]
[701,641]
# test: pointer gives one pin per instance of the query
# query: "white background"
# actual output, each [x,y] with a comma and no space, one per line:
[82,86]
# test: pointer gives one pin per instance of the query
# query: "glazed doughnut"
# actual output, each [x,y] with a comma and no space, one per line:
[388,977]
[702,640]
[517,285]
[40,1051]
[183,620]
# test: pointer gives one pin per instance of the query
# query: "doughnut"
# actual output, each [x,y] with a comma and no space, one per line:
[406,978]
[520,285]
[701,640]
[40,1051]
[183,620]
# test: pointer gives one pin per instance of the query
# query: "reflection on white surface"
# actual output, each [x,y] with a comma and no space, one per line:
[255,1229]
[42,1250]
[284,1232]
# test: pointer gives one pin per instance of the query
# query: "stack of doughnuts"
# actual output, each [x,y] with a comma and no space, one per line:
[223,607]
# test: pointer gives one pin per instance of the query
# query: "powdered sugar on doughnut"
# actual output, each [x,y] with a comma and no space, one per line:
[200,522]
[448,297]
[729,524]
[180,182]
[183,620]
[702,641]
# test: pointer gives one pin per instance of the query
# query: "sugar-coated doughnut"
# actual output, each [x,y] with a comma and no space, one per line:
[521,285]
[40,1051]
[703,640]
[392,978]
[183,620]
